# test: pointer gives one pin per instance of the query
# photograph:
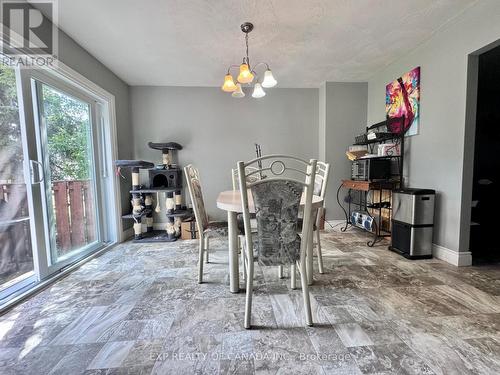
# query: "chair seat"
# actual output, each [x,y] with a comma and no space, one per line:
[216,229]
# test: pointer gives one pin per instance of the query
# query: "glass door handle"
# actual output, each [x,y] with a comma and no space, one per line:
[41,175]
[104,151]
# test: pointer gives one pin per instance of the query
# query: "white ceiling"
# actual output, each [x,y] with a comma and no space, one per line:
[306,42]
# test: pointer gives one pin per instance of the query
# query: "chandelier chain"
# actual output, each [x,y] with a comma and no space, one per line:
[246,42]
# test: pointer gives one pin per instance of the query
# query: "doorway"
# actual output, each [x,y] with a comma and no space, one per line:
[484,244]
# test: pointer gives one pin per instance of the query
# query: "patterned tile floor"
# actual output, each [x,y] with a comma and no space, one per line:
[138,310]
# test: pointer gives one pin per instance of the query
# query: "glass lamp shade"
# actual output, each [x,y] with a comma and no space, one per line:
[258,92]
[269,80]
[228,85]
[238,93]
[245,75]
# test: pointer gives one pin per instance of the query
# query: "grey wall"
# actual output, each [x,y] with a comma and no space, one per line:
[342,108]
[436,156]
[217,130]
[71,54]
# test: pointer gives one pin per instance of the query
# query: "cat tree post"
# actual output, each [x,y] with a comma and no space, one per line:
[138,208]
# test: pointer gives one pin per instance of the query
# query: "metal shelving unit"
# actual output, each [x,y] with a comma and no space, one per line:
[363,188]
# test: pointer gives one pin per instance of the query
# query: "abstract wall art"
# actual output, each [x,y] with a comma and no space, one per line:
[402,100]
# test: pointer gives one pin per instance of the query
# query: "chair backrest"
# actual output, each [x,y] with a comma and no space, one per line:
[320,185]
[277,200]
[252,178]
[194,187]
[322,173]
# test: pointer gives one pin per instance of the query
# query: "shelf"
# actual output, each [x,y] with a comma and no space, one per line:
[377,125]
[380,140]
[368,185]
[155,236]
[368,206]
[155,190]
[372,207]
[180,213]
[131,216]
[379,157]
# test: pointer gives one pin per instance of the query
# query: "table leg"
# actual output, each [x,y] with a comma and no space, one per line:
[310,255]
[234,272]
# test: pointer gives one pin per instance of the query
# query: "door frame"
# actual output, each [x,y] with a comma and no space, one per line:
[469,146]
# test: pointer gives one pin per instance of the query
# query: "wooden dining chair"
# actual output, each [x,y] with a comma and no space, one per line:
[277,200]
[206,228]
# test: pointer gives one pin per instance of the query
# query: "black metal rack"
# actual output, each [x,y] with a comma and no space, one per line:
[364,187]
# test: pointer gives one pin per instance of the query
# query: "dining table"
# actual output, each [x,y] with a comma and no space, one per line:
[230,201]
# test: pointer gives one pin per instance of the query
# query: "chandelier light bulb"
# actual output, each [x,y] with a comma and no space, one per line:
[238,93]
[245,75]
[269,80]
[228,85]
[258,92]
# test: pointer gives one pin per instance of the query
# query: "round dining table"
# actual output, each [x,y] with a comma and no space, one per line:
[230,201]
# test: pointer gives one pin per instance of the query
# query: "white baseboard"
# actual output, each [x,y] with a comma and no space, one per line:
[456,258]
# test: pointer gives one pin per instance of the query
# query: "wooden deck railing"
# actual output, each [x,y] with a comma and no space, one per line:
[73,208]
[75,224]
[74,211]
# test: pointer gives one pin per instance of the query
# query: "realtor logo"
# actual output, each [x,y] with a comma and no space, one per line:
[29,32]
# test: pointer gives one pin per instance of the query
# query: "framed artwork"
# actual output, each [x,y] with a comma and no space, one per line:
[402,102]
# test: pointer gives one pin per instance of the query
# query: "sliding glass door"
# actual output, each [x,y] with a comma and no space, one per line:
[67,137]
[55,177]
[16,252]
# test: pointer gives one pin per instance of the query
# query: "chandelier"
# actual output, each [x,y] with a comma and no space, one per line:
[247,74]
